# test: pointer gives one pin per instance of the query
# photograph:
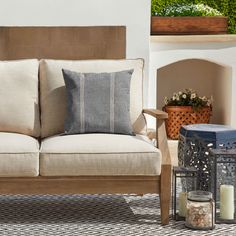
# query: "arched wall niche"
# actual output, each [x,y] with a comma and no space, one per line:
[207,78]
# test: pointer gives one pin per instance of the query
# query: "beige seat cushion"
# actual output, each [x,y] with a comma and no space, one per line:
[99,154]
[53,96]
[19,155]
[19,110]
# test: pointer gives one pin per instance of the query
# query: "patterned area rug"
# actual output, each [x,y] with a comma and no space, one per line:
[90,215]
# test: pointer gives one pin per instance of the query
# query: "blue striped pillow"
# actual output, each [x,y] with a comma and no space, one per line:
[98,102]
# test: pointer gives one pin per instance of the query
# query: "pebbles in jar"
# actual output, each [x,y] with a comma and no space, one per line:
[200,210]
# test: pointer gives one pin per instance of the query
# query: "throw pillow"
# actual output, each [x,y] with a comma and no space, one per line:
[19,105]
[98,102]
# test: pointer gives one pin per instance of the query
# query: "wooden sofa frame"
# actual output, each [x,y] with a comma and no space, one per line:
[104,184]
[12,40]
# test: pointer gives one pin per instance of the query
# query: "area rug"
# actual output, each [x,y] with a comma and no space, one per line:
[89,215]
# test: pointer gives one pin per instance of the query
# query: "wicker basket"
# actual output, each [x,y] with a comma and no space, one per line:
[184,115]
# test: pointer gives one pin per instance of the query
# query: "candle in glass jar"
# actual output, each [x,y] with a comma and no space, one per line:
[182,200]
[227,202]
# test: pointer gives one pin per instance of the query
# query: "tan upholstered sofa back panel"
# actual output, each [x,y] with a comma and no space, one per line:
[19,109]
[53,97]
[63,42]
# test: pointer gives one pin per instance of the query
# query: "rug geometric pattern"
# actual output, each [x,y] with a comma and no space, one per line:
[90,215]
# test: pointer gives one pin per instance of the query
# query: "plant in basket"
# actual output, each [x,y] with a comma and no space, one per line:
[186,107]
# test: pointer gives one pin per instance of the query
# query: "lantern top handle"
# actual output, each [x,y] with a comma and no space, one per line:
[223,151]
[182,169]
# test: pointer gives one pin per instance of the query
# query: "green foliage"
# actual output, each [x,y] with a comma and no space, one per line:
[226,7]
[180,9]
[188,97]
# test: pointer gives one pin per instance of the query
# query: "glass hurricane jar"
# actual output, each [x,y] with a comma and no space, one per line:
[200,210]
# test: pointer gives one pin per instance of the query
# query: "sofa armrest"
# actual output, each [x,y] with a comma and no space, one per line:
[156,113]
[161,133]
[166,168]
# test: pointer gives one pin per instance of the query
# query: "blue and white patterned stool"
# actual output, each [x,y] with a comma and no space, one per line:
[194,144]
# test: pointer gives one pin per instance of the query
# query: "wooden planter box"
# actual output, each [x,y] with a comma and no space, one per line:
[180,25]
[184,115]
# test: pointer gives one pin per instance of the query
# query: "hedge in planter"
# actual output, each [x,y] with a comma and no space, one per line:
[226,7]
[189,19]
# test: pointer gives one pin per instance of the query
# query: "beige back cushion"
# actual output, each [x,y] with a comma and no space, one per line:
[53,96]
[19,109]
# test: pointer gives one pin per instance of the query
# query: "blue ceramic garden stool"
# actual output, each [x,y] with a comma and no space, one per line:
[195,141]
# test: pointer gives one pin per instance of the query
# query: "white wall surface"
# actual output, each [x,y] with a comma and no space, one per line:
[134,14]
[222,53]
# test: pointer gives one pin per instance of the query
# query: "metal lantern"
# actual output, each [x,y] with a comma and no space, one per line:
[184,181]
[224,184]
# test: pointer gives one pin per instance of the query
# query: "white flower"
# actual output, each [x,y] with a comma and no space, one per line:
[184,96]
[210,101]
[204,98]
[166,100]
[193,95]
[180,93]
[183,9]
[177,97]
